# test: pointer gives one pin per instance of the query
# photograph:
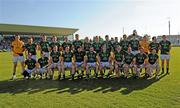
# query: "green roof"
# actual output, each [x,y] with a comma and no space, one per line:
[10,29]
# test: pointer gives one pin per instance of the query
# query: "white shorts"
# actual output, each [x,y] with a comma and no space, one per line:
[42,70]
[93,64]
[55,65]
[67,64]
[128,65]
[140,66]
[79,64]
[165,56]
[31,70]
[154,66]
[105,64]
[18,58]
[47,54]
[134,52]
[33,57]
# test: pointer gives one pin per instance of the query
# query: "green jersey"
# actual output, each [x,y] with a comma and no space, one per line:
[108,45]
[79,56]
[154,45]
[55,56]
[44,46]
[152,58]
[66,44]
[165,46]
[128,58]
[53,44]
[31,48]
[87,46]
[31,63]
[77,43]
[118,56]
[91,55]
[104,56]
[67,56]
[115,45]
[97,46]
[140,58]
[134,44]
[124,44]
[43,61]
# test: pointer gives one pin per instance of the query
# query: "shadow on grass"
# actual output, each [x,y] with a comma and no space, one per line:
[125,86]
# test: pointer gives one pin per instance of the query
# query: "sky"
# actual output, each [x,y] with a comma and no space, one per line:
[96,17]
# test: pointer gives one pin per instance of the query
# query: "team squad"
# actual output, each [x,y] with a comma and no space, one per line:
[119,58]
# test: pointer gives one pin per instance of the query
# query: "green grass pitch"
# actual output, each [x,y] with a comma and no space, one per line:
[106,93]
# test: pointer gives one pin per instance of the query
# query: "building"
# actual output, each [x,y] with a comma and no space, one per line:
[29,30]
[174,39]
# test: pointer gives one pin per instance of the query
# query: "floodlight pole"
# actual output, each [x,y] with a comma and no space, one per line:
[169,26]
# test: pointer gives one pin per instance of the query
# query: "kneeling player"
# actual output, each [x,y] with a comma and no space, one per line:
[90,62]
[43,65]
[118,60]
[68,62]
[140,62]
[128,62]
[31,67]
[55,62]
[79,58]
[153,63]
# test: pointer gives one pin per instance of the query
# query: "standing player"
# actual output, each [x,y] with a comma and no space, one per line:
[128,62]
[118,60]
[153,63]
[31,67]
[145,44]
[140,62]
[165,47]
[134,43]
[55,62]
[43,65]
[124,43]
[97,45]
[66,43]
[86,44]
[67,62]
[54,43]
[115,44]
[154,45]
[17,50]
[90,61]
[77,43]
[79,58]
[108,44]
[44,46]
[31,47]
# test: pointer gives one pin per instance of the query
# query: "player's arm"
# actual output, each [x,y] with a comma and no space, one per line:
[26,52]
[39,47]
[85,59]
[111,57]
[98,59]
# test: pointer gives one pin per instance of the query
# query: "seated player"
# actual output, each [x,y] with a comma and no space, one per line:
[67,62]
[90,62]
[31,67]
[153,63]
[79,58]
[118,60]
[128,62]
[105,61]
[140,62]
[43,65]
[55,62]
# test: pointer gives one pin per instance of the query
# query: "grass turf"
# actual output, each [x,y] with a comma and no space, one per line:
[104,93]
